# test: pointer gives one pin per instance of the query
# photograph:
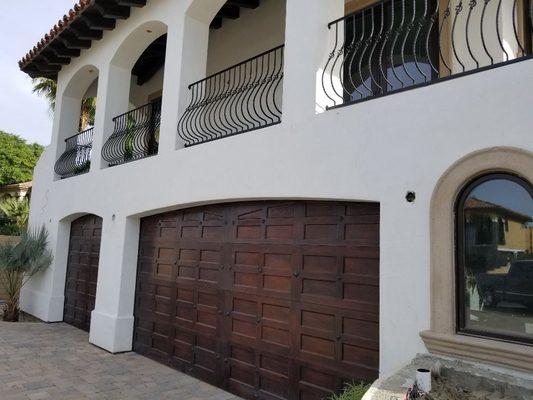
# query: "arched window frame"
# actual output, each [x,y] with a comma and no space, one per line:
[460,254]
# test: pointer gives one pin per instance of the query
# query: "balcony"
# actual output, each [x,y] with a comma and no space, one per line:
[136,135]
[396,45]
[76,159]
[242,98]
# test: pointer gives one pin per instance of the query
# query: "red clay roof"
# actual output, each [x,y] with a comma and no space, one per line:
[475,203]
[63,23]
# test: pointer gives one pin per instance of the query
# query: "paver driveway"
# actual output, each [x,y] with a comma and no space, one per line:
[55,361]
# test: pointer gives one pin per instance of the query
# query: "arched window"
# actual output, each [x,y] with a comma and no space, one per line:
[495,258]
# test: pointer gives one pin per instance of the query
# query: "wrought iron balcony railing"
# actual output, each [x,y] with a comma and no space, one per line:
[398,44]
[239,99]
[136,135]
[76,159]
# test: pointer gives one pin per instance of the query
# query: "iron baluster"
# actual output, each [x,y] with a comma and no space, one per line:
[135,135]
[236,100]
[76,159]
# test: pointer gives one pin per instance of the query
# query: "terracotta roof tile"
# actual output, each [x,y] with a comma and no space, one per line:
[67,19]
[475,203]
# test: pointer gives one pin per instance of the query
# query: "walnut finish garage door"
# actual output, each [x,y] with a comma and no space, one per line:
[82,271]
[269,300]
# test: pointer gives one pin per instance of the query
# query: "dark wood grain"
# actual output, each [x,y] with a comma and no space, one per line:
[269,299]
[82,271]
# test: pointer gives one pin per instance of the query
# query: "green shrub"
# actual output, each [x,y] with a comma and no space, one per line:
[19,262]
[352,391]
[14,215]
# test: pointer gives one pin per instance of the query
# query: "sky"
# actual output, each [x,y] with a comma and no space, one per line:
[506,194]
[22,24]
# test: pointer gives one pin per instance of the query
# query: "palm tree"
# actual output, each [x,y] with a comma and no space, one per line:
[47,88]
[16,211]
[19,262]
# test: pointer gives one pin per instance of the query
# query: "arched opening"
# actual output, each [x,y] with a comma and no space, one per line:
[445,335]
[494,231]
[233,68]
[138,67]
[77,108]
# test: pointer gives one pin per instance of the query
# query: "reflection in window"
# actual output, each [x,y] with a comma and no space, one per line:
[495,246]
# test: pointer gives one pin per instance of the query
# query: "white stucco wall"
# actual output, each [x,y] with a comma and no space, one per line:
[374,151]
[140,94]
[255,31]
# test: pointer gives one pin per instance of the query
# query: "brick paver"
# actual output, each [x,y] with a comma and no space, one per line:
[55,361]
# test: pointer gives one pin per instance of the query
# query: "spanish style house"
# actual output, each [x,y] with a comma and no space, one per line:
[280,196]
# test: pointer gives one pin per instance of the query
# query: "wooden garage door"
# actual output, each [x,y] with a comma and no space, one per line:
[269,300]
[82,271]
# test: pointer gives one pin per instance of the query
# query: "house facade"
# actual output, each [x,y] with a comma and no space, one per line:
[273,195]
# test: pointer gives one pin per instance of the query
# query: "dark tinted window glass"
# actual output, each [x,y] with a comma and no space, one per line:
[495,258]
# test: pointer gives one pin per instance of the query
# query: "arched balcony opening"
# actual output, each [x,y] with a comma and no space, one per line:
[138,71]
[237,83]
[77,107]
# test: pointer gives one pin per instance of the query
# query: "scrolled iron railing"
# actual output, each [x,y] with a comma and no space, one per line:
[76,159]
[136,135]
[242,98]
[394,45]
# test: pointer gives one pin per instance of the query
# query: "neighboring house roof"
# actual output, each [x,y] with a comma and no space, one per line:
[16,189]
[474,203]
[84,23]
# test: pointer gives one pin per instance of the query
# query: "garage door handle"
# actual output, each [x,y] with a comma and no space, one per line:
[296,274]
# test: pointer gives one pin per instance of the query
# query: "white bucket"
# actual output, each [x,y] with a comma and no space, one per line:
[423,379]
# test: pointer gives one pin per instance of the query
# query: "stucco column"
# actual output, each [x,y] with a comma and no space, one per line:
[171,86]
[113,91]
[306,48]
[112,318]
[192,61]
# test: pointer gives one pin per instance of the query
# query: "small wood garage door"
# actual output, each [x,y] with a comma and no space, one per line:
[268,300]
[82,271]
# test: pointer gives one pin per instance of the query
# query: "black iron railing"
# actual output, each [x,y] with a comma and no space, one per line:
[399,44]
[76,159]
[136,135]
[239,99]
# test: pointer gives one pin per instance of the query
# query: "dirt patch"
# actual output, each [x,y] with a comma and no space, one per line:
[444,389]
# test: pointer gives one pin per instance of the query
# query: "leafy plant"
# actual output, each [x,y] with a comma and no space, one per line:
[47,88]
[19,262]
[352,391]
[16,212]
[82,168]
[129,141]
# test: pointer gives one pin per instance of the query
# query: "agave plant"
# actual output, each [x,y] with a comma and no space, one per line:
[19,262]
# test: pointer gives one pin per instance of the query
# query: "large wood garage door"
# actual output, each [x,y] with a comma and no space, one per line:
[269,300]
[82,271]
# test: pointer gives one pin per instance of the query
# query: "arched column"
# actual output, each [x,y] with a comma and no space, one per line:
[442,337]
[307,43]
[194,44]
[115,81]
[68,106]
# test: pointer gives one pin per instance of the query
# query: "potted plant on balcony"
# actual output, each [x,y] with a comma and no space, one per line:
[19,262]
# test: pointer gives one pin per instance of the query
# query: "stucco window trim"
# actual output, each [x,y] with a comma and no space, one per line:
[442,338]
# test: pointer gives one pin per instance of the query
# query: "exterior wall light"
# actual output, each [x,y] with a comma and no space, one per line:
[410,197]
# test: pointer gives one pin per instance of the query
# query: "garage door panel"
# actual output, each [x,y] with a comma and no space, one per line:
[268,299]
[82,271]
